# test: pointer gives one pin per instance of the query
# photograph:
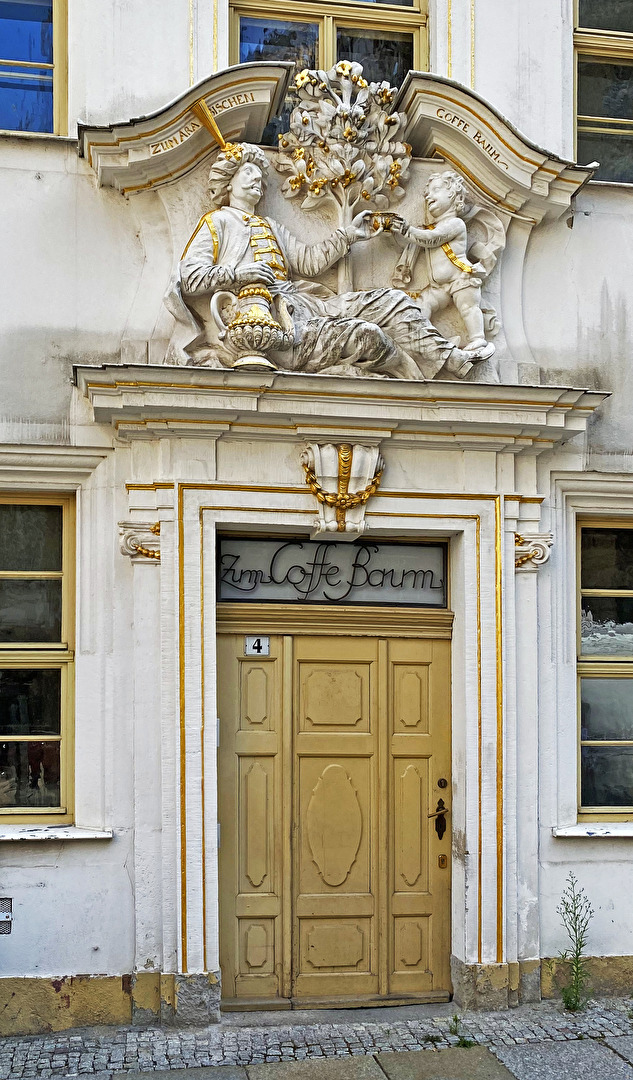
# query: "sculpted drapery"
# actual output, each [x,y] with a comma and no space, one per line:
[378,331]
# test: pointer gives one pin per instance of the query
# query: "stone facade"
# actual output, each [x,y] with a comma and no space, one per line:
[104,396]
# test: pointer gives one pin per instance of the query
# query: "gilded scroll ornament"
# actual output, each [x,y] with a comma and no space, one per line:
[136,536]
[532,550]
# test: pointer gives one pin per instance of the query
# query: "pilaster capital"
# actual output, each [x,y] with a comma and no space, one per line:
[532,550]
[140,539]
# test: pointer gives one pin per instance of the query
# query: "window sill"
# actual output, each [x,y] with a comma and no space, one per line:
[625,185]
[610,830]
[52,832]
[8,133]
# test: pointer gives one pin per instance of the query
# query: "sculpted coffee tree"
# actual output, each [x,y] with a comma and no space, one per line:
[344,145]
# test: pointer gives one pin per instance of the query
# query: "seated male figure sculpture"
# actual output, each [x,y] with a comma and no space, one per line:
[380,331]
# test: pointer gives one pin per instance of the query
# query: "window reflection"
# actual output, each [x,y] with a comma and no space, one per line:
[276,39]
[30,701]
[385,55]
[26,89]
[606,15]
[29,774]
[607,775]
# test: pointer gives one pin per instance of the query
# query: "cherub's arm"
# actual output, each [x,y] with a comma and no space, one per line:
[443,233]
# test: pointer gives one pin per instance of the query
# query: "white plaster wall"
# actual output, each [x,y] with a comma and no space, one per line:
[69,285]
[579,307]
[524,66]
[126,58]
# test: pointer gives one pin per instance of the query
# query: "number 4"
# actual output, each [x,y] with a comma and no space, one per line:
[257,645]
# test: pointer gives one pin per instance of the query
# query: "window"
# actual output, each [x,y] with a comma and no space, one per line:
[604,63]
[605,669]
[33,65]
[386,38]
[36,668]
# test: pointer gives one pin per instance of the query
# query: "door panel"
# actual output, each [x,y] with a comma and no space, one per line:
[251,820]
[419,901]
[336,802]
[331,750]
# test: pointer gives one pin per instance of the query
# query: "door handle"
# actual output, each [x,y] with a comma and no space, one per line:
[440,817]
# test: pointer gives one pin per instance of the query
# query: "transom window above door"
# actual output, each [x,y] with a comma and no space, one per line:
[388,39]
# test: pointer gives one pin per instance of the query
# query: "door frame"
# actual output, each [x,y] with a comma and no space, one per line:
[331,620]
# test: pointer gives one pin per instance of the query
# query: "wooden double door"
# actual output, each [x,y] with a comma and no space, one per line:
[334,755]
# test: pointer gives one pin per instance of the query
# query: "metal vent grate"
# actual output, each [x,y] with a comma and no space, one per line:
[6,914]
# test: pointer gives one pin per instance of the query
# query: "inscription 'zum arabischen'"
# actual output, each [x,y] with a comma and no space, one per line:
[477,136]
[188,129]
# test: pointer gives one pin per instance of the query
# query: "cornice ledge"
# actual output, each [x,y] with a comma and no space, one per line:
[508,171]
[171,400]
[50,465]
[156,149]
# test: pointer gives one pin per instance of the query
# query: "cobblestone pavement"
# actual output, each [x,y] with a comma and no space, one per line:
[254,1038]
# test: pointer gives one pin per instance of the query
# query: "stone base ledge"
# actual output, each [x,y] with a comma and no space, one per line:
[33,1006]
[609,976]
[495,986]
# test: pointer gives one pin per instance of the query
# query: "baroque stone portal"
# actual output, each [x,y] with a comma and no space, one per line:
[247,291]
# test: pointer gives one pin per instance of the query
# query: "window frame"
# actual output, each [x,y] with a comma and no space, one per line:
[599,667]
[606,46]
[59,69]
[331,14]
[60,655]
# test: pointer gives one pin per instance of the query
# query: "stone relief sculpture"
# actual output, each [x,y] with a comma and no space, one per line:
[452,276]
[246,291]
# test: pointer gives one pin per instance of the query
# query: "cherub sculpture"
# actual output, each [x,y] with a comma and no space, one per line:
[452,276]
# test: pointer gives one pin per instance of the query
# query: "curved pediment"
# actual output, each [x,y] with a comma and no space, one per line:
[165,145]
[345,250]
[447,120]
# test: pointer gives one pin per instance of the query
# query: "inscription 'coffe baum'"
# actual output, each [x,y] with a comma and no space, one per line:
[455,120]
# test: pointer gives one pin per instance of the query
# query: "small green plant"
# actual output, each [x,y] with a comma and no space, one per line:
[576,913]
[431,1038]
[454,1027]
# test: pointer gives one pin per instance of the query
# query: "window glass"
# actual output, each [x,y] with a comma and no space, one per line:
[606,626]
[276,39]
[29,774]
[606,559]
[606,15]
[30,610]
[606,709]
[26,101]
[606,776]
[30,701]
[385,55]
[614,152]
[35,665]
[30,537]
[605,89]
[26,31]
[26,88]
